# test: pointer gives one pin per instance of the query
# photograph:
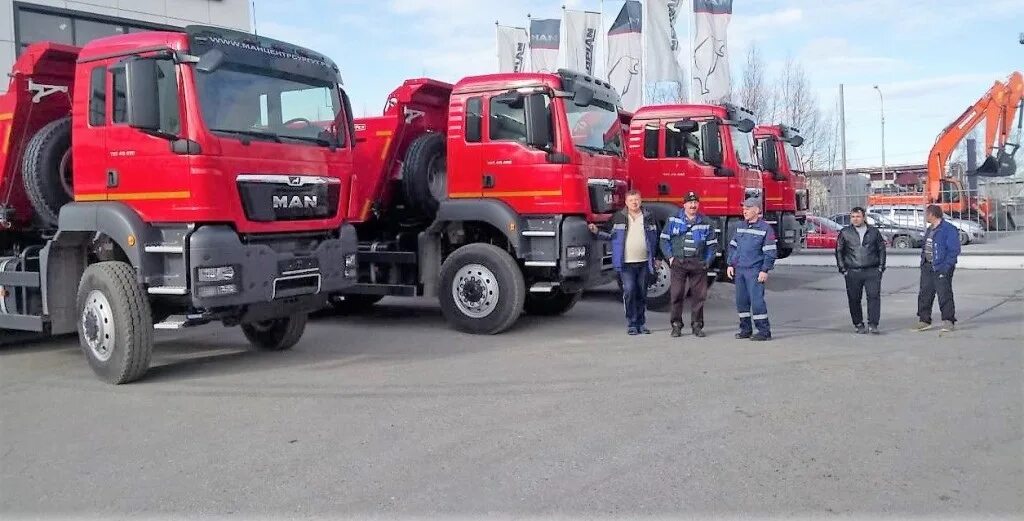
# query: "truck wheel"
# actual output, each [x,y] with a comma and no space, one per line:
[425,173]
[277,334]
[482,289]
[46,170]
[658,291]
[551,304]
[902,242]
[115,324]
[784,252]
[964,239]
[353,303]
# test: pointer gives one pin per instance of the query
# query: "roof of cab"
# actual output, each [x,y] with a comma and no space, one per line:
[678,111]
[511,80]
[129,43]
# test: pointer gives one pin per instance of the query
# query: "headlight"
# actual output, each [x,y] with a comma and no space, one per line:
[217,274]
[351,261]
[576,252]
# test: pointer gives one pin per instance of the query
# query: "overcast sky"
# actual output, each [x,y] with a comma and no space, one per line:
[931,58]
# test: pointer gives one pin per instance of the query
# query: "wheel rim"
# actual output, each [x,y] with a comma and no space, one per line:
[65,173]
[475,290]
[902,243]
[437,177]
[98,325]
[662,282]
[263,326]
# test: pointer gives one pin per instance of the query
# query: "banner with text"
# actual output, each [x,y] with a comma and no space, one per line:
[663,42]
[512,42]
[581,30]
[545,39]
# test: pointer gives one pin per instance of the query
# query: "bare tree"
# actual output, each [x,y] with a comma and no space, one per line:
[664,93]
[754,92]
[795,104]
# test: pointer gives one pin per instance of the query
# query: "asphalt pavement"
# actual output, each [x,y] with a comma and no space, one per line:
[392,414]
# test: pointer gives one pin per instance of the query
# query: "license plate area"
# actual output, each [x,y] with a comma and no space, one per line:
[296,285]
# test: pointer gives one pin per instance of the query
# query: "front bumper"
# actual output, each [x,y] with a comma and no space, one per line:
[282,274]
[592,269]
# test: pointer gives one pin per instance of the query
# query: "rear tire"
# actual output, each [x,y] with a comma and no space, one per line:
[964,239]
[659,294]
[551,304]
[115,323]
[348,304]
[784,252]
[482,289]
[46,170]
[277,334]
[902,242]
[424,174]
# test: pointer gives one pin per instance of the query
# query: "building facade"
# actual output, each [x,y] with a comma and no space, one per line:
[23,22]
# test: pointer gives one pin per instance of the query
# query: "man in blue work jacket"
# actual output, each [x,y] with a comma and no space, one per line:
[938,262]
[634,239]
[751,256]
[689,243]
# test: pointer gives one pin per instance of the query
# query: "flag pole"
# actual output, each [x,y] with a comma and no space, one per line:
[691,59]
[645,22]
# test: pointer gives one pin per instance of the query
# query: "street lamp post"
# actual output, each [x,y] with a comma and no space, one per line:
[881,104]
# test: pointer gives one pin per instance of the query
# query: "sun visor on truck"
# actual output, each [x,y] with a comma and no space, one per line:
[603,92]
[251,50]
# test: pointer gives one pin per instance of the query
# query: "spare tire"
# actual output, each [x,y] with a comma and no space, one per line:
[425,174]
[46,170]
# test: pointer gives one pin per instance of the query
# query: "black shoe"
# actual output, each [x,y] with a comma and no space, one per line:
[632,331]
[861,330]
[760,338]
[699,332]
[677,330]
[874,330]
[644,330]
[741,335]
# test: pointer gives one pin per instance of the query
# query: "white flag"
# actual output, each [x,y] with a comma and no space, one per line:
[663,42]
[625,54]
[711,82]
[545,37]
[581,30]
[512,42]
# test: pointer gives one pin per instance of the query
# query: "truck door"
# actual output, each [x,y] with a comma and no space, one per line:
[141,167]
[89,153]
[683,168]
[512,171]
[465,152]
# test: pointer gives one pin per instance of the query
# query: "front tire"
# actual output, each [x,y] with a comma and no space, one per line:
[277,334]
[659,294]
[115,323]
[482,289]
[551,304]
[964,239]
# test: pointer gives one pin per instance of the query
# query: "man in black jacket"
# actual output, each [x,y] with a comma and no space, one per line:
[860,256]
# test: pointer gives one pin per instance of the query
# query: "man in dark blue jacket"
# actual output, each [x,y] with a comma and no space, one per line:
[938,261]
[634,239]
[752,253]
[689,243]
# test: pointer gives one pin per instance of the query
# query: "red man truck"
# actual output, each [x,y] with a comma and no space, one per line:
[675,149]
[480,194]
[169,179]
[785,186]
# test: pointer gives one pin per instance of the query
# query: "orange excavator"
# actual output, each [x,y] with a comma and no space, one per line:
[999,107]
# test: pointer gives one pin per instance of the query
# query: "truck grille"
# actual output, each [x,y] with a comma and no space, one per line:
[267,198]
[606,195]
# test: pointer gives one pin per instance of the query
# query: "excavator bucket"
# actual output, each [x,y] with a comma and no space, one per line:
[1002,164]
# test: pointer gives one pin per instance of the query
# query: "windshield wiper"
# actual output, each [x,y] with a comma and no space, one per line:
[311,139]
[253,133]
[597,150]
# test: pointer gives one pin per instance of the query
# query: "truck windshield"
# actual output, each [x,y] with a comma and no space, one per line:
[595,128]
[744,146]
[255,102]
[793,158]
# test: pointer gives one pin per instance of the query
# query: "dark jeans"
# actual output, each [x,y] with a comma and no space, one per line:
[859,281]
[689,286]
[634,292]
[933,283]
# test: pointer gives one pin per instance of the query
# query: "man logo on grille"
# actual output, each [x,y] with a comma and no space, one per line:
[294,180]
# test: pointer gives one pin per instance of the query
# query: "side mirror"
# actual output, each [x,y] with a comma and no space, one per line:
[210,60]
[769,156]
[512,98]
[712,137]
[141,96]
[685,125]
[538,122]
[796,141]
[745,125]
[583,96]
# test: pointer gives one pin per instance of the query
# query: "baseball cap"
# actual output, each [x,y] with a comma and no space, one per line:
[692,196]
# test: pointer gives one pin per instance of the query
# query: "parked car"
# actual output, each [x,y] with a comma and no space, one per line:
[822,233]
[970,231]
[895,235]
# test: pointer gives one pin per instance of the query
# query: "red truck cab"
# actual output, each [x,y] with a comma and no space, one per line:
[707,149]
[486,188]
[785,186]
[171,179]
